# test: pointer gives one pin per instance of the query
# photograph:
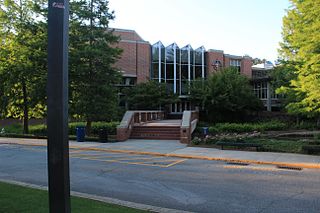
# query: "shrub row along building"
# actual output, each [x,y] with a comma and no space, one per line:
[177,67]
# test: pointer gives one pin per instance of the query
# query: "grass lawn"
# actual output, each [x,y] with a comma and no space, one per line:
[279,145]
[268,145]
[14,198]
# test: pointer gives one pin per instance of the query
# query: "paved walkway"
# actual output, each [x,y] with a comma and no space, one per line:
[174,148]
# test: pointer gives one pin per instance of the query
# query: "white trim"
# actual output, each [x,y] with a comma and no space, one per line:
[202,63]
[165,65]
[174,69]
[159,61]
[133,41]
[189,65]
[180,78]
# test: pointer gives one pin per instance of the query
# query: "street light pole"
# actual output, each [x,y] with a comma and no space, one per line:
[57,118]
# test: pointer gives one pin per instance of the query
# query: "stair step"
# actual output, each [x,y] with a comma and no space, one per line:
[153,134]
[153,137]
[156,132]
[165,131]
[156,127]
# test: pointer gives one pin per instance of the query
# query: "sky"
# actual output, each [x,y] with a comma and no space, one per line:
[238,27]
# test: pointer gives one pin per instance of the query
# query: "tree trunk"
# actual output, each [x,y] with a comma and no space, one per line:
[88,127]
[25,109]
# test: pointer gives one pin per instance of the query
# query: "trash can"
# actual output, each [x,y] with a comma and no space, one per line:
[103,135]
[80,131]
[205,130]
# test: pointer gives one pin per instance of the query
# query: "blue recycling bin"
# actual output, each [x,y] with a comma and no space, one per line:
[81,132]
[205,130]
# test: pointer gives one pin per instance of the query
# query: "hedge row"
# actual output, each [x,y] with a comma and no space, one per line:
[110,127]
[247,127]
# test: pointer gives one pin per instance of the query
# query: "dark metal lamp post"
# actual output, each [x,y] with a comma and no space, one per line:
[57,118]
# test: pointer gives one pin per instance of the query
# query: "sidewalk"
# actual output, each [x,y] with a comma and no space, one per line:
[173,148]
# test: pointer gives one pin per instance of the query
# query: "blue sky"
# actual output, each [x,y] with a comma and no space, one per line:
[238,27]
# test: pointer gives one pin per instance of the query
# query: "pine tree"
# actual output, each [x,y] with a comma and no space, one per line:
[92,55]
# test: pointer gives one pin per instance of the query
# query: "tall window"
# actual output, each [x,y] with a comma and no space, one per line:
[172,61]
[199,70]
[186,76]
[235,63]
[260,89]
[158,62]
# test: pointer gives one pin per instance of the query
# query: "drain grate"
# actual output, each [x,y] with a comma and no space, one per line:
[289,168]
[237,163]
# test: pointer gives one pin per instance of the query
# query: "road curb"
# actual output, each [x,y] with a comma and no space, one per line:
[282,164]
[109,200]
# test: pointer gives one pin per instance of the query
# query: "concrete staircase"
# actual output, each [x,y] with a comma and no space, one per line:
[157,130]
[153,125]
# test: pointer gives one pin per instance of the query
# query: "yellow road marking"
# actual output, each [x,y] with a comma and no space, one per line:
[98,155]
[84,155]
[123,162]
[74,151]
[145,158]
[251,168]
[145,163]
[174,163]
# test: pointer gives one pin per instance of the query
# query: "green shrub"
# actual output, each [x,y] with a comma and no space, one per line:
[16,128]
[309,125]
[39,129]
[110,127]
[317,137]
[196,141]
[247,127]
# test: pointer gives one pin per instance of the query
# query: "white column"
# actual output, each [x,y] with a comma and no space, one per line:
[189,65]
[180,82]
[268,97]
[174,69]
[202,62]
[165,66]
[159,61]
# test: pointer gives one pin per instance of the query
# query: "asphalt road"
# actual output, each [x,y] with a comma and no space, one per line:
[183,184]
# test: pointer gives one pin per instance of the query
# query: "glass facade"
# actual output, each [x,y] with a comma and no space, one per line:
[158,62]
[177,67]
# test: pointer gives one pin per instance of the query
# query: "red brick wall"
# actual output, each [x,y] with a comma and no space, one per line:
[127,61]
[246,64]
[211,57]
[144,60]
[135,58]
[127,35]
[226,61]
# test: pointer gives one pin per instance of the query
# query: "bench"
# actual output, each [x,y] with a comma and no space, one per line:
[238,144]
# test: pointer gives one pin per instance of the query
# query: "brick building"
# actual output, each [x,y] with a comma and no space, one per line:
[177,67]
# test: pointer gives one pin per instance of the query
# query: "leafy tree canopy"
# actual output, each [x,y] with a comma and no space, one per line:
[22,60]
[149,96]
[300,50]
[226,95]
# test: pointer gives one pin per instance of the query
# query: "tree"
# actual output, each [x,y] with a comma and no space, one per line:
[258,61]
[149,96]
[226,95]
[22,60]
[93,96]
[301,51]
